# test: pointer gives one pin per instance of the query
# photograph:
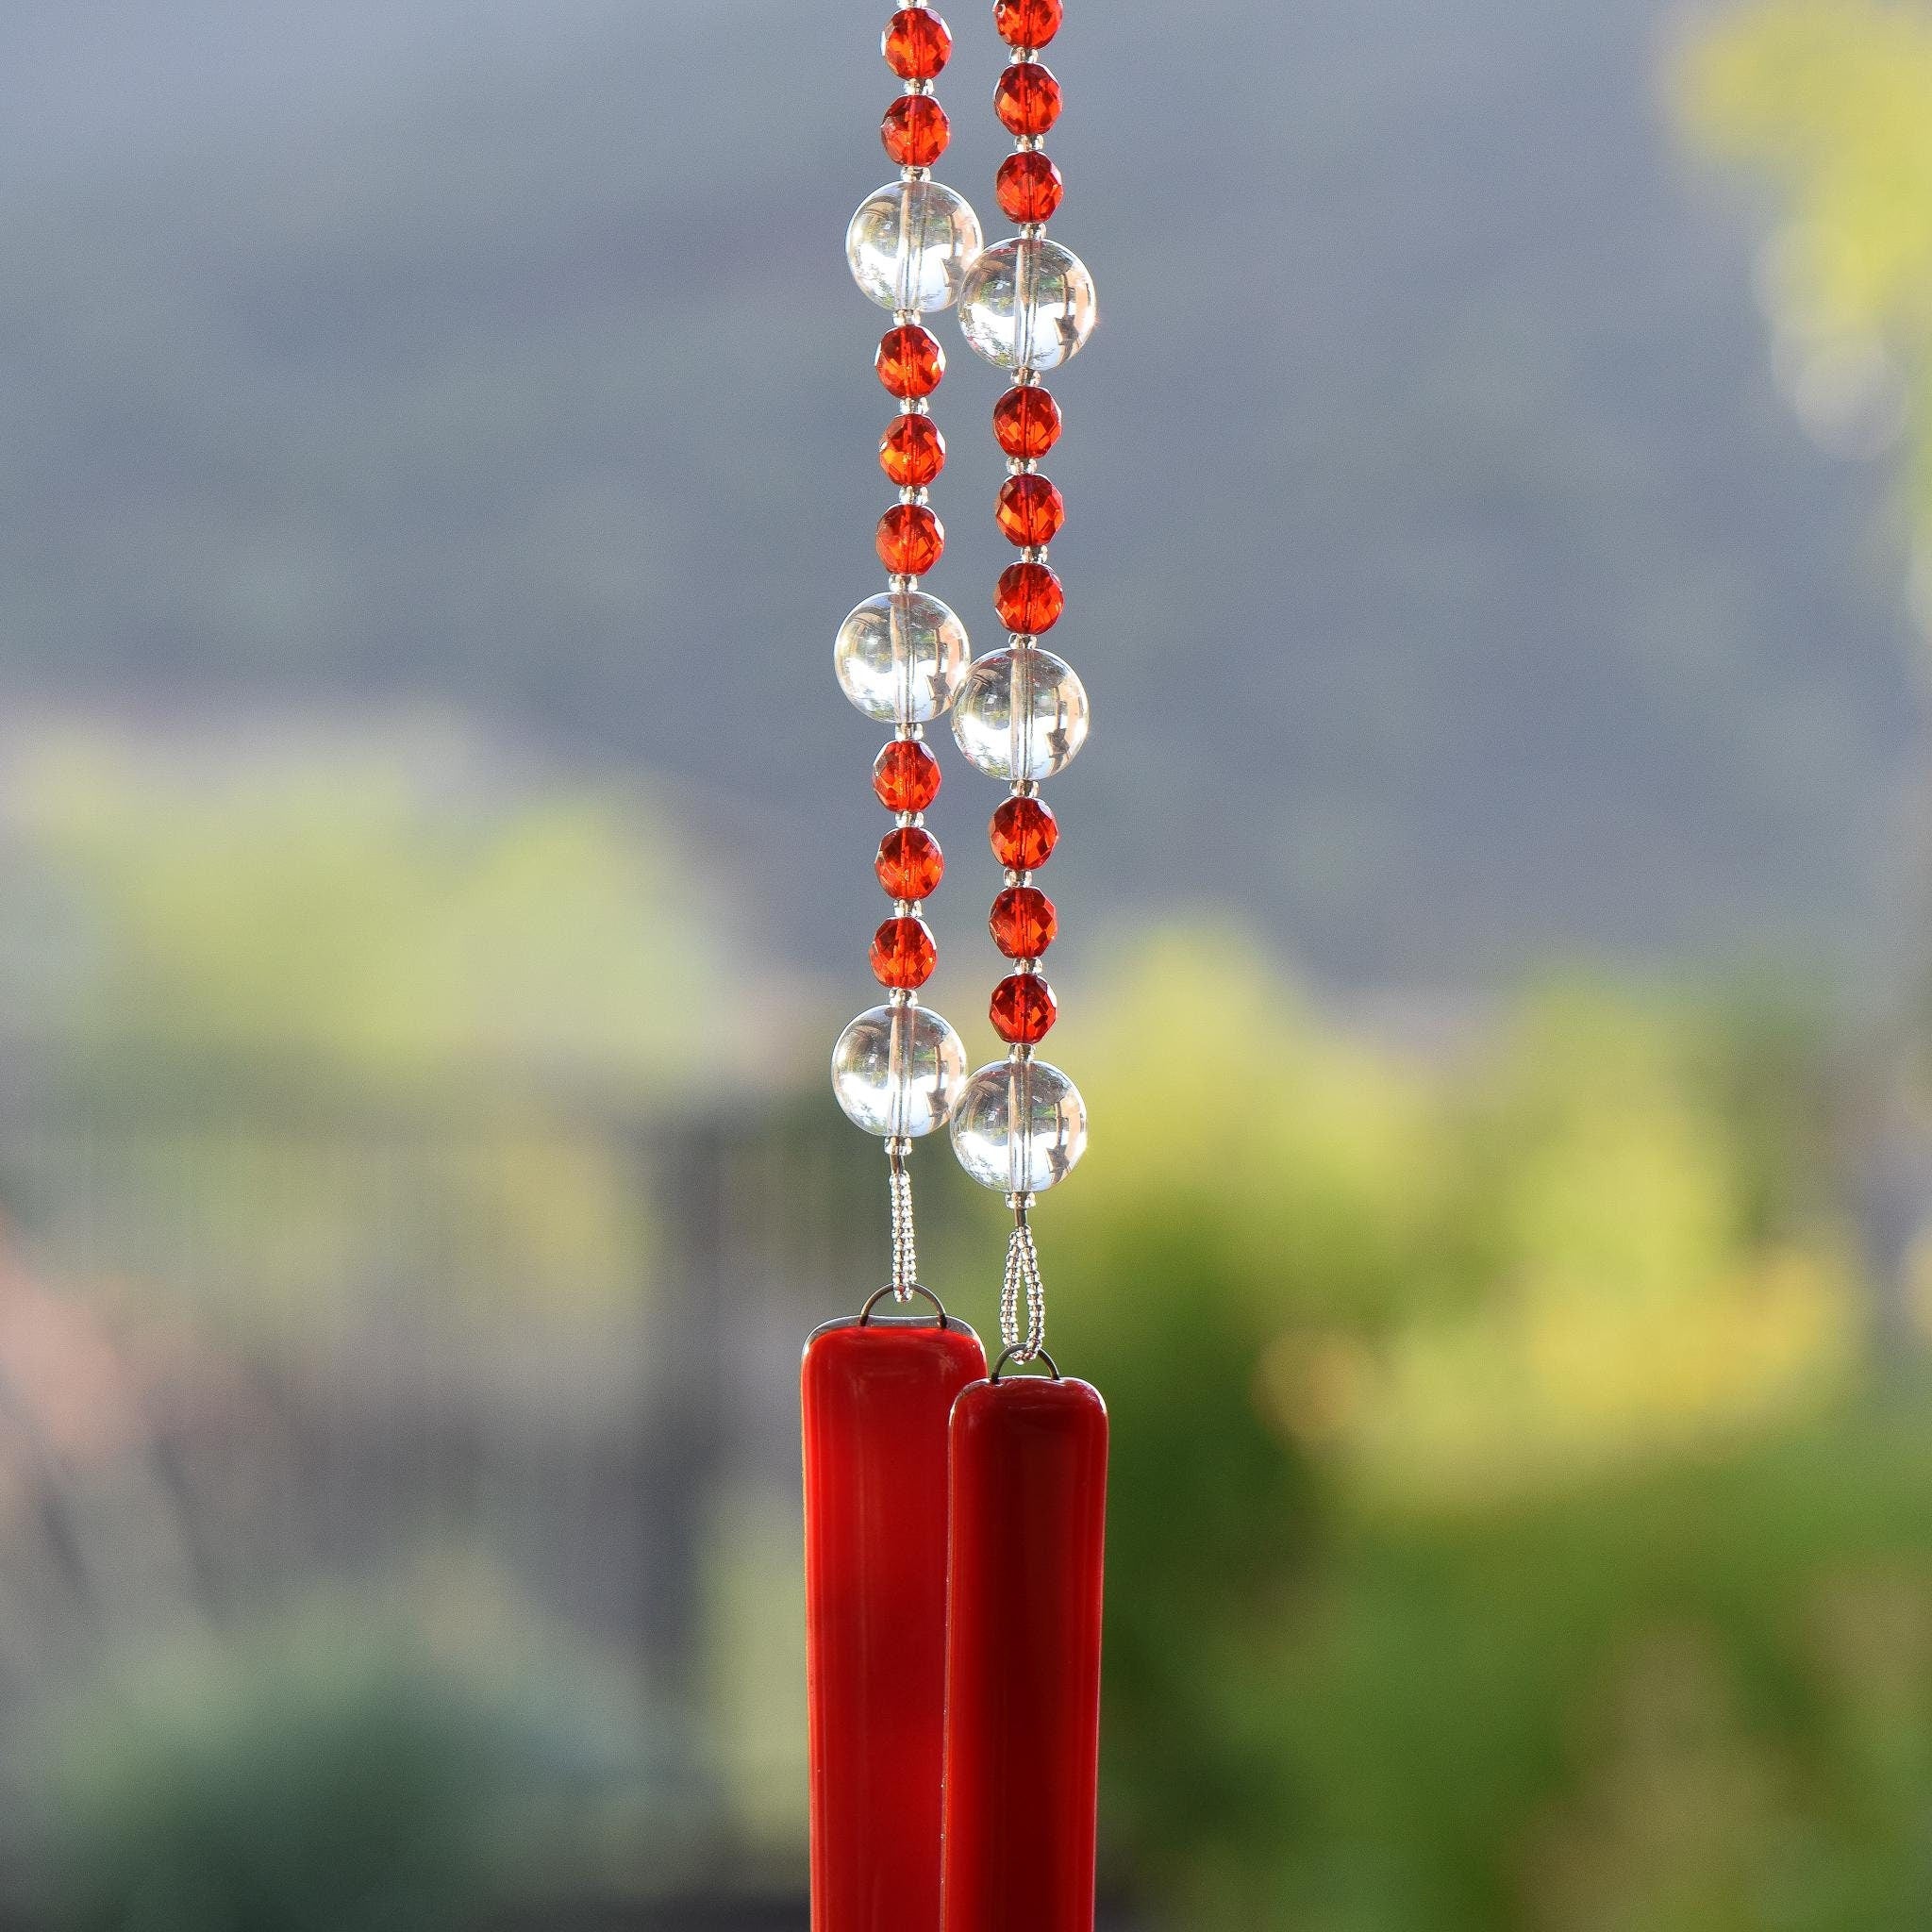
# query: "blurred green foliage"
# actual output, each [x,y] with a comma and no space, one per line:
[1508,1534]
[1504,1537]
[1830,103]
[383,905]
[280,1785]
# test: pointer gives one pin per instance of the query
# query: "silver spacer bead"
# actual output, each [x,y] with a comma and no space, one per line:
[1032,232]
[903,583]
[901,996]
[1034,553]
[915,173]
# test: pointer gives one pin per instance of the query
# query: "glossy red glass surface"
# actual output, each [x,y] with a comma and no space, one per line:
[876,1401]
[1023,1657]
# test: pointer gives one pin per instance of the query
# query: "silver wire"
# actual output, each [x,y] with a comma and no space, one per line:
[1023,1282]
[905,1239]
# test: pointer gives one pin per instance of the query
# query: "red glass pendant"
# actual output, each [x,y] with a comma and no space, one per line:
[1023,1656]
[877,1398]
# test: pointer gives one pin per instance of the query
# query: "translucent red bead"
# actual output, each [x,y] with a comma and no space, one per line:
[1022,1009]
[913,452]
[1030,511]
[1026,23]
[905,775]
[910,864]
[1024,922]
[1027,421]
[1023,833]
[1028,187]
[1027,99]
[916,131]
[916,43]
[910,361]
[902,954]
[1028,598]
[910,541]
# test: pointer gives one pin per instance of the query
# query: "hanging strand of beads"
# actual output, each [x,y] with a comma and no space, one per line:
[1029,306]
[901,654]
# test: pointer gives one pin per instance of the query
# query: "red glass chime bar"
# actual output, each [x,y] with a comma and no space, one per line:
[1028,1487]
[876,1395]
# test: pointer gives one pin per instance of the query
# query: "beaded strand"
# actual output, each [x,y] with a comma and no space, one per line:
[1029,306]
[900,657]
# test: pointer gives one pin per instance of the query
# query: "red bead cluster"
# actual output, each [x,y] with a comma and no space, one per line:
[1030,512]
[910,539]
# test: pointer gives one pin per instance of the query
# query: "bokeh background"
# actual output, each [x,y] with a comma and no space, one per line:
[434,863]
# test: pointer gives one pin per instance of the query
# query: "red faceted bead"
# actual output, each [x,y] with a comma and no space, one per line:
[1024,922]
[910,361]
[1027,99]
[917,44]
[910,864]
[905,775]
[1028,598]
[913,452]
[1022,1009]
[1029,187]
[1030,511]
[1023,834]
[916,131]
[902,954]
[1027,421]
[910,540]
[1026,23]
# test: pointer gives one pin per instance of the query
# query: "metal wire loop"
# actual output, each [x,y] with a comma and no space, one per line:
[878,1294]
[1014,1355]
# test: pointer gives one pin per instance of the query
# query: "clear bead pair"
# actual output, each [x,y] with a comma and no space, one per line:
[1028,303]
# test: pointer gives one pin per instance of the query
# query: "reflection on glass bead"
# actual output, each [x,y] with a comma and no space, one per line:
[900,657]
[911,244]
[1028,303]
[897,1072]
[1021,715]
[1020,1127]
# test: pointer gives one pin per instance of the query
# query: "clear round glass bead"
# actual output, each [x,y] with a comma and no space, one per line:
[1020,1127]
[900,657]
[897,1072]
[1028,303]
[910,244]
[1020,714]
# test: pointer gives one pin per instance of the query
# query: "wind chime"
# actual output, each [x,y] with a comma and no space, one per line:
[955,1518]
